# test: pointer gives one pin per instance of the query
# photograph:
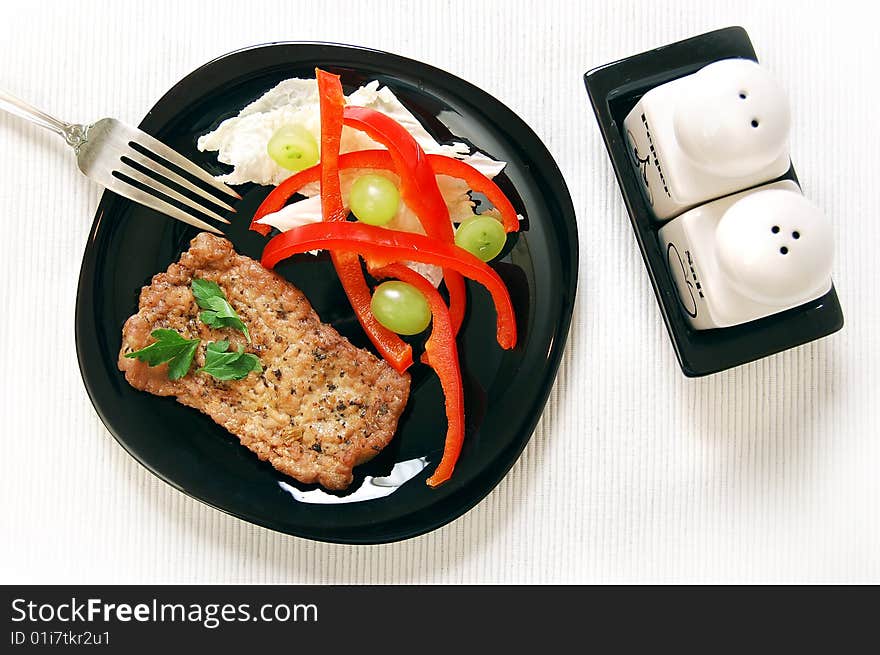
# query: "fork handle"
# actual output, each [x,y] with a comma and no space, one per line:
[70,132]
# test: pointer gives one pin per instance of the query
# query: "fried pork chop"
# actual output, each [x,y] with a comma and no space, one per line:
[320,407]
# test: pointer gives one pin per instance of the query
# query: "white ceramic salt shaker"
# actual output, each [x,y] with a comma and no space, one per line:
[718,131]
[749,255]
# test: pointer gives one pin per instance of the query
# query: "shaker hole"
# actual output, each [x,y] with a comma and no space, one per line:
[796,235]
[754,122]
[783,250]
[775,229]
[743,95]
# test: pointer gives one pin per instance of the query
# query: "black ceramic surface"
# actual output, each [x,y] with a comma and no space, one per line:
[505,392]
[614,89]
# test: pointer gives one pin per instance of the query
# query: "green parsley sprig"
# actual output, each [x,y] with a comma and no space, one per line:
[218,313]
[169,347]
[225,365]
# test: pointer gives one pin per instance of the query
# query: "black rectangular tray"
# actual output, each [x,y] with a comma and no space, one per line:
[614,89]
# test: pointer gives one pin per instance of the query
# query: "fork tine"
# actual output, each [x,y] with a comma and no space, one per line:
[126,190]
[136,175]
[157,147]
[159,169]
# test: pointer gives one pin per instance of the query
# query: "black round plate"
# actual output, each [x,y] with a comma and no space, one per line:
[505,391]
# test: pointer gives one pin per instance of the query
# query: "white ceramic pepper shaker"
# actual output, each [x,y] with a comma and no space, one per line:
[749,255]
[718,131]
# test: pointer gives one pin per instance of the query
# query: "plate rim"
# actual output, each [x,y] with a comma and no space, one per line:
[484,487]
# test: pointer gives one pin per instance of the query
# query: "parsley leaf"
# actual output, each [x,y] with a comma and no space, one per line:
[218,312]
[225,365]
[169,347]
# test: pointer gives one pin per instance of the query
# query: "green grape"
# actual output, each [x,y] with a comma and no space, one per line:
[400,307]
[482,236]
[374,199]
[293,147]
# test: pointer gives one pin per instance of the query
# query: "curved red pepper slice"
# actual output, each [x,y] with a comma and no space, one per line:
[418,189]
[443,358]
[381,246]
[443,165]
[393,349]
[418,184]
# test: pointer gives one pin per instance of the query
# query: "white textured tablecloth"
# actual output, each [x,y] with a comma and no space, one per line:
[765,473]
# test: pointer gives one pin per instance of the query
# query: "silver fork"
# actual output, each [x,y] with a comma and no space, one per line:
[114,155]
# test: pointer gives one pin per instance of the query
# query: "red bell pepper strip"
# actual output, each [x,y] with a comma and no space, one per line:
[332,103]
[393,349]
[381,246]
[381,160]
[418,189]
[417,180]
[443,358]
[443,165]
